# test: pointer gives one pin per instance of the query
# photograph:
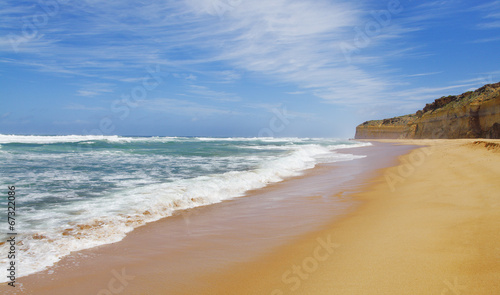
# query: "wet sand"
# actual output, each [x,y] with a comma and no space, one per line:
[426,226]
[180,254]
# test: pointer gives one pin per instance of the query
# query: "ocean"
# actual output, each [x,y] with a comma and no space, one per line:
[78,192]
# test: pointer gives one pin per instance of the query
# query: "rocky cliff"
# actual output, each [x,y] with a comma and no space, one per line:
[474,114]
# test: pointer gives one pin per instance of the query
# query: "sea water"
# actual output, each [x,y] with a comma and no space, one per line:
[77,192]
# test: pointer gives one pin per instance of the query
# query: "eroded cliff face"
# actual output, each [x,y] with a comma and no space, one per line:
[469,115]
[392,128]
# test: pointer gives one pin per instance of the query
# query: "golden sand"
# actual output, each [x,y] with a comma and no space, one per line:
[428,226]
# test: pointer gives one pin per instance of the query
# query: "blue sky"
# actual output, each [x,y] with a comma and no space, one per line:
[308,68]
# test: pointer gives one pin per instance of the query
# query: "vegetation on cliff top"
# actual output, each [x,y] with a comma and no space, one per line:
[487,92]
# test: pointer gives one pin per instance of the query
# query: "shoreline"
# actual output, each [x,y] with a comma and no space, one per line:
[78,203]
[432,232]
[206,235]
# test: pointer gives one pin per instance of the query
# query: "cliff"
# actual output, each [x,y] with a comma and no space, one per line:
[474,114]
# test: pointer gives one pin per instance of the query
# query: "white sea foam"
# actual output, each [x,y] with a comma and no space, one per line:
[34,139]
[89,139]
[86,139]
[89,222]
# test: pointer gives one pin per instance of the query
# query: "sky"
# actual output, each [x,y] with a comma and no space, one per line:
[225,68]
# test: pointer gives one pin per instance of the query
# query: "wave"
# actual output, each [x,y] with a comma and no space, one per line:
[48,139]
[86,223]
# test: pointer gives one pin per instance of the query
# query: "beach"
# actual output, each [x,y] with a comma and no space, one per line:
[413,217]
[434,232]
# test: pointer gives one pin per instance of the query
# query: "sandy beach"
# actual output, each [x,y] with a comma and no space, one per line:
[420,221]
[426,226]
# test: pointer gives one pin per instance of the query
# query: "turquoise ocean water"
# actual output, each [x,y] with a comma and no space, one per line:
[77,192]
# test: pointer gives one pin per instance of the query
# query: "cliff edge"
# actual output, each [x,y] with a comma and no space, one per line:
[473,114]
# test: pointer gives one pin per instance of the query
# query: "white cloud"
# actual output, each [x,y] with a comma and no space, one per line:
[300,42]
[206,93]
[423,74]
[226,76]
[486,40]
[80,107]
[431,93]
[491,11]
[297,42]
[95,89]
[183,107]
[70,123]
[296,92]
[490,25]
[286,40]
[266,106]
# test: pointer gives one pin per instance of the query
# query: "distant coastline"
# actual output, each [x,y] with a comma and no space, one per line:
[473,114]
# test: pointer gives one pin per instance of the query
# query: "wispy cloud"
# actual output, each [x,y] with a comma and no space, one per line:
[491,25]
[95,89]
[226,76]
[429,93]
[83,92]
[280,41]
[487,40]
[279,108]
[266,106]
[188,77]
[296,92]
[424,74]
[71,123]
[114,37]
[183,107]
[305,47]
[80,107]
[491,12]
[204,92]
